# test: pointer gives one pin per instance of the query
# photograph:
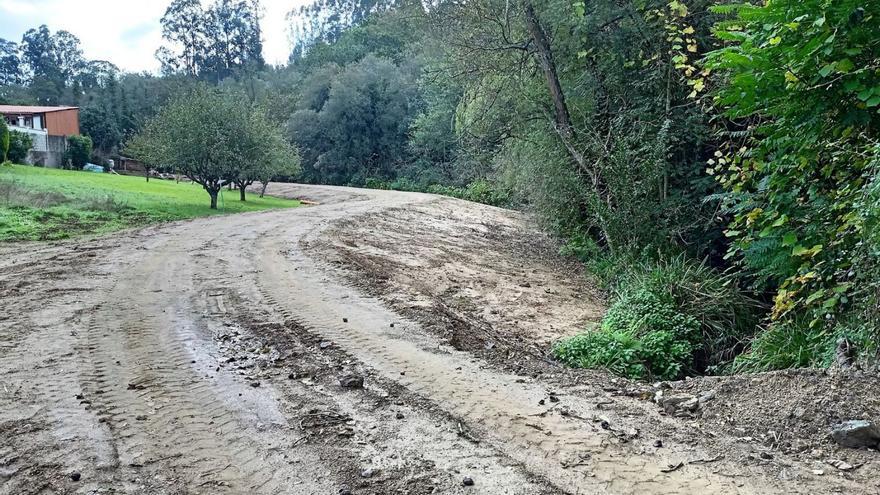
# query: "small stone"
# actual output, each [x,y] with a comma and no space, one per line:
[707,396]
[766,455]
[658,443]
[351,381]
[399,415]
[344,491]
[841,465]
[818,472]
[541,402]
[325,344]
[255,384]
[75,476]
[391,325]
[369,473]
[553,398]
[141,417]
[856,434]
[467,481]
[345,320]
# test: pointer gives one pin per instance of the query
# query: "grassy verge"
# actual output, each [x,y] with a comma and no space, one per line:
[48,204]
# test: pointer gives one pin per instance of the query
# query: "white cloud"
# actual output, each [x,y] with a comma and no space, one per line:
[127,32]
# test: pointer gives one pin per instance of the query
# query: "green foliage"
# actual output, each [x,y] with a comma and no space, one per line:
[211,137]
[726,316]
[800,79]
[79,150]
[100,124]
[356,126]
[20,145]
[671,317]
[4,140]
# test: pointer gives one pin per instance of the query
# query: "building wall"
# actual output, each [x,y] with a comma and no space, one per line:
[63,122]
[53,157]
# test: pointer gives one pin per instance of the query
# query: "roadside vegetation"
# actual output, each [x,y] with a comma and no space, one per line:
[715,165]
[48,204]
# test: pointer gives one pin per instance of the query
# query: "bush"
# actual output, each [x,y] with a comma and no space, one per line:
[479,191]
[725,314]
[20,145]
[670,318]
[642,335]
[79,149]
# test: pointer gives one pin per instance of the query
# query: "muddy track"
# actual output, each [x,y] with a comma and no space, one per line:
[183,359]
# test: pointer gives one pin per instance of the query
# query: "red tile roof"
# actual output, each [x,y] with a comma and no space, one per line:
[25,110]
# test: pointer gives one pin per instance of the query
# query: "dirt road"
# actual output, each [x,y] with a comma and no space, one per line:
[209,357]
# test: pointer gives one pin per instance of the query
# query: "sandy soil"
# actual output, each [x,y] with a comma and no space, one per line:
[206,357]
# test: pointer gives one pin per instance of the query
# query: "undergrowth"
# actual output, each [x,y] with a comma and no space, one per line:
[670,317]
[479,191]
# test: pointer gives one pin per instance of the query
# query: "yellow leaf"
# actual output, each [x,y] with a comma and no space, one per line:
[688,30]
[692,48]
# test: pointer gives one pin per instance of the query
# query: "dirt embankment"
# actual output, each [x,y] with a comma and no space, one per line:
[378,342]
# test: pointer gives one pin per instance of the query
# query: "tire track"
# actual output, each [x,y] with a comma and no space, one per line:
[169,420]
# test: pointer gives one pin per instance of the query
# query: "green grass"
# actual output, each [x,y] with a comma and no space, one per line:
[48,204]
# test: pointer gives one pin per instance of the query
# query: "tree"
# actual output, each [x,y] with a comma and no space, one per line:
[10,64]
[213,43]
[355,126]
[206,135]
[580,106]
[79,150]
[326,20]
[232,29]
[183,26]
[263,151]
[99,123]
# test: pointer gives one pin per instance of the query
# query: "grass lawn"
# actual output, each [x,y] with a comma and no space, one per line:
[47,204]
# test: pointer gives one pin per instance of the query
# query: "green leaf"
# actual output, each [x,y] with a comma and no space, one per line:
[789,239]
[873,102]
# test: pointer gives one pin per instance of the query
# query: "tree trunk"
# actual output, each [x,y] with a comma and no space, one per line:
[241,189]
[263,189]
[213,194]
[548,66]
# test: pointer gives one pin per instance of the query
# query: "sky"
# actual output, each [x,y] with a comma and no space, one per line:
[127,32]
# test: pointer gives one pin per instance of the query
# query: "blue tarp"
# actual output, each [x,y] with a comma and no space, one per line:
[91,167]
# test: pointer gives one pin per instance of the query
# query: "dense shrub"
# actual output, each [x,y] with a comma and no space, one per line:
[670,318]
[20,145]
[79,149]
[643,335]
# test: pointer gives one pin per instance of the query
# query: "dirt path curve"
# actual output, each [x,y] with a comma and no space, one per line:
[204,357]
